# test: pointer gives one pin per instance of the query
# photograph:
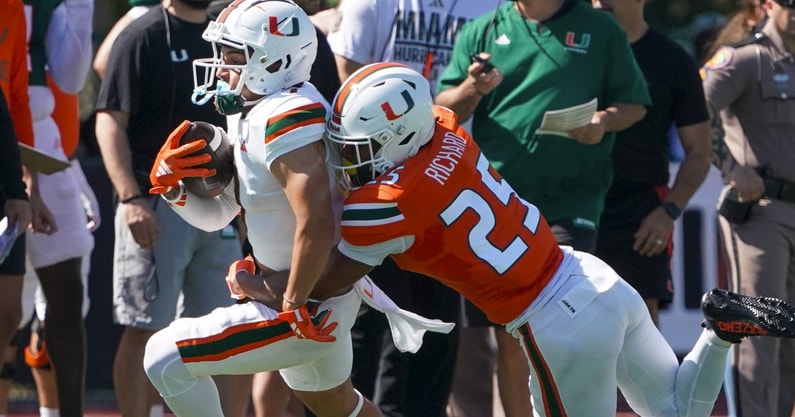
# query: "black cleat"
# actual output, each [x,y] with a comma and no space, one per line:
[734,316]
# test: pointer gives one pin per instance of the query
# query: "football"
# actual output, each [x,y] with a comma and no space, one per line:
[223,161]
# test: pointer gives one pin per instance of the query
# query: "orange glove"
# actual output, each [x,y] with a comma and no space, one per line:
[245,264]
[307,327]
[173,163]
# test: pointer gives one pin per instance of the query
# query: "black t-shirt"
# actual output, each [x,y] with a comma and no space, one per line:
[150,76]
[640,153]
[324,73]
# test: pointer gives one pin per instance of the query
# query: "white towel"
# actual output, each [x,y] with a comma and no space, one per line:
[407,328]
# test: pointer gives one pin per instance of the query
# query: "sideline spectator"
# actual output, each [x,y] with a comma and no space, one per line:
[16,211]
[636,226]
[56,272]
[66,117]
[751,99]
[15,124]
[138,8]
[60,48]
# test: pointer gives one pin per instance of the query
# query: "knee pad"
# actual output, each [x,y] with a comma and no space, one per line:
[164,366]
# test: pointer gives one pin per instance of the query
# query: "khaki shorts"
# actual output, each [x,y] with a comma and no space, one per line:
[182,276]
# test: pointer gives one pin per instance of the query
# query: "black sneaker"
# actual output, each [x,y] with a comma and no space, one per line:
[734,316]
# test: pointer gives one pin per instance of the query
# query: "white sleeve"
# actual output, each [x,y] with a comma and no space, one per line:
[356,37]
[374,254]
[208,214]
[307,128]
[68,44]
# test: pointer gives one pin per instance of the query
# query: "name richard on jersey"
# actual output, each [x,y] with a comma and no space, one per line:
[447,158]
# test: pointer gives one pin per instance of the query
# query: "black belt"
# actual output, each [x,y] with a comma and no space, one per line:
[780,190]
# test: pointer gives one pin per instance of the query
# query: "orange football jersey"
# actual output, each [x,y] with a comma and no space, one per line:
[472,232]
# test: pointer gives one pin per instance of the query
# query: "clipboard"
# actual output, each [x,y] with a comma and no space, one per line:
[559,122]
[39,161]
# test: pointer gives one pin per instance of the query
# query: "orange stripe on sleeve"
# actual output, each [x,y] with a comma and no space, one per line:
[286,129]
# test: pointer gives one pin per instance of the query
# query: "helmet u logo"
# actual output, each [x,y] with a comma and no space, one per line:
[390,114]
[274,29]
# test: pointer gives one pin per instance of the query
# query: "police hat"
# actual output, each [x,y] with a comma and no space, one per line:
[786,3]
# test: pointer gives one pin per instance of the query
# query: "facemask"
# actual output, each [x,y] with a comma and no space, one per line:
[353,178]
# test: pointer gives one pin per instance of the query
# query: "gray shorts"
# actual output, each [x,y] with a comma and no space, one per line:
[182,276]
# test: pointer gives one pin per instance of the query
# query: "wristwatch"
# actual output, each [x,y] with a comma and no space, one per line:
[672,209]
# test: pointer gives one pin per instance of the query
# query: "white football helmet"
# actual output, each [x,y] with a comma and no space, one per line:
[277,38]
[382,115]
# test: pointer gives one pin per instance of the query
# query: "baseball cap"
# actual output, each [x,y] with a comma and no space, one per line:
[786,3]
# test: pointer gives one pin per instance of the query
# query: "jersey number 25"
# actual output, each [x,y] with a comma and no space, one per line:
[499,259]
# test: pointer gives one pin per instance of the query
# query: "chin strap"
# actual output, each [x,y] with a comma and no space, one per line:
[359,405]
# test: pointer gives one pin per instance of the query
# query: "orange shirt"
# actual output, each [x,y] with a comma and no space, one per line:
[14,68]
[66,116]
[471,230]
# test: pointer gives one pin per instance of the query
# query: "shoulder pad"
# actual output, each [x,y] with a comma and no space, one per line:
[756,37]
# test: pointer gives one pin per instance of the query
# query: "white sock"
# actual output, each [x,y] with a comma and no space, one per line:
[716,340]
[49,412]
[156,410]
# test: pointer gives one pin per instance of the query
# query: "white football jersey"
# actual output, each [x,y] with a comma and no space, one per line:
[281,123]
